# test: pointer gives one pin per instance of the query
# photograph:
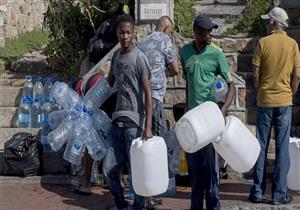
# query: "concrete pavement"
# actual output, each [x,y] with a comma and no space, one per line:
[35,193]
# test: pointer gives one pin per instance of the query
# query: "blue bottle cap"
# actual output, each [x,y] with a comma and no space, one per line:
[38,78]
[219,85]
[28,78]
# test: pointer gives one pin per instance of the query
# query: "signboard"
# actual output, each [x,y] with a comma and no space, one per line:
[148,11]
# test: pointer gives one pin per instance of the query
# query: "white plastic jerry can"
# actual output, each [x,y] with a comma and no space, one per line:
[149,166]
[293,178]
[199,126]
[237,145]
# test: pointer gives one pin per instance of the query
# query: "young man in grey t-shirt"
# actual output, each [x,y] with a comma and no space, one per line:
[132,117]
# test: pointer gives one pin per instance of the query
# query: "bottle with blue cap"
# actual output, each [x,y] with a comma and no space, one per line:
[38,89]
[24,113]
[28,87]
[47,109]
[37,115]
[219,89]
[47,89]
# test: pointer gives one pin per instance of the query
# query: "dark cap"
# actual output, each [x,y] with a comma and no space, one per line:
[204,22]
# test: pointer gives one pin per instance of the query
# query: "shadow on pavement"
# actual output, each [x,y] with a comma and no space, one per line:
[99,199]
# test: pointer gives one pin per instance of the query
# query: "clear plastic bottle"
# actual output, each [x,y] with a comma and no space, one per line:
[61,134]
[24,113]
[37,115]
[95,145]
[38,89]
[101,122]
[28,87]
[75,146]
[219,89]
[47,88]
[95,97]
[46,127]
[95,178]
[56,118]
[65,96]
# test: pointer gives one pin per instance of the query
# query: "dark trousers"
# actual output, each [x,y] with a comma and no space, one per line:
[118,155]
[281,117]
[204,175]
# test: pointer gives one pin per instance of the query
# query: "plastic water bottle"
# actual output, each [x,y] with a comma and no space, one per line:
[56,117]
[95,178]
[101,122]
[38,89]
[219,89]
[61,134]
[37,115]
[75,145]
[47,88]
[65,96]
[46,127]
[28,88]
[95,97]
[95,145]
[57,80]
[24,113]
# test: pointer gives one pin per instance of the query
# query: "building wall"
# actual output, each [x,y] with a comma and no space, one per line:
[17,16]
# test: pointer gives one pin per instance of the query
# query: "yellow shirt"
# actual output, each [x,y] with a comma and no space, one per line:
[276,56]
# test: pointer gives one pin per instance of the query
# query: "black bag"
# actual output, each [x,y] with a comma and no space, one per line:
[103,41]
[22,155]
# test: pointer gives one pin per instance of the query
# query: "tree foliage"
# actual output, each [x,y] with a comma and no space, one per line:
[250,21]
[184,14]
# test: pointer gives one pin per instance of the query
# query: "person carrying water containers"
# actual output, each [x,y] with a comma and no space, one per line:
[162,57]
[202,62]
[130,71]
[276,78]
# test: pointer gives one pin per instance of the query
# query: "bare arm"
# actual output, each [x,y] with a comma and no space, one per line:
[229,98]
[255,77]
[295,79]
[173,68]
[148,100]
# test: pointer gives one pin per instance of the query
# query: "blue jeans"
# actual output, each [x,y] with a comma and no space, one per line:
[118,155]
[281,118]
[204,174]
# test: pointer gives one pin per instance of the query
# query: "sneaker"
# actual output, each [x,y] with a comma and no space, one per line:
[288,199]
[254,199]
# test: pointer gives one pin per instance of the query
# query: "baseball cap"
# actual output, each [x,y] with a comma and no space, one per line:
[204,22]
[277,14]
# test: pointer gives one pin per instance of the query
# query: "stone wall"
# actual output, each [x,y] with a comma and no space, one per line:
[17,16]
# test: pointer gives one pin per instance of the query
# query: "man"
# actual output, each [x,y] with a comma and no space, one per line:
[201,62]
[131,72]
[162,57]
[276,79]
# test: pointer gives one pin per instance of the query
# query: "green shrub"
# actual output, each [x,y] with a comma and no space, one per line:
[20,45]
[250,21]
[184,14]
[23,43]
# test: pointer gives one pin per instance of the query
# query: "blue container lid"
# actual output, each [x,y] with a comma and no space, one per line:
[28,78]
[219,85]
[38,78]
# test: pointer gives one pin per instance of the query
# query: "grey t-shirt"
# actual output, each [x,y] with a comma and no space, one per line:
[130,70]
[158,48]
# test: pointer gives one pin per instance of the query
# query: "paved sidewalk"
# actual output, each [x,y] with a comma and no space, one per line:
[17,194]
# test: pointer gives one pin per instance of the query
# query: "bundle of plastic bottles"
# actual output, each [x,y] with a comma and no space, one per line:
[80,123]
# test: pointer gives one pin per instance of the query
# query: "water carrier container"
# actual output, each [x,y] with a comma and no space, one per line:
[199,126]
[293,178]
[237,145]
[149,166]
